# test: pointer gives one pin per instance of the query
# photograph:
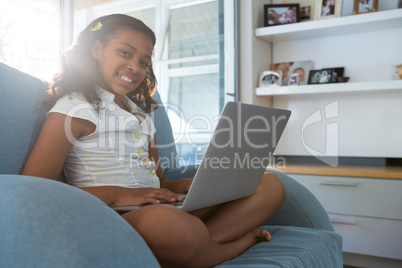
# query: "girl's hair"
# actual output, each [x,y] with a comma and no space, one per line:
[77,73]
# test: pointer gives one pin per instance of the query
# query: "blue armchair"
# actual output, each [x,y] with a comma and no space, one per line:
[45,223]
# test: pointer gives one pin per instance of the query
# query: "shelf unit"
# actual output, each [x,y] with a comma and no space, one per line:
[356,198]
[355,87]
[332,27]
[377,21]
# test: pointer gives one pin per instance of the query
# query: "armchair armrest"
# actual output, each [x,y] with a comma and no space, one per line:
[48,223]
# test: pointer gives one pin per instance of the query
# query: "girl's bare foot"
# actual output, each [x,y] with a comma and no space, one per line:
[238,246]
[262,235]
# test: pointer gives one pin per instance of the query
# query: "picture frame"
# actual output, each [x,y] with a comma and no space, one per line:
[294,79]
[337,73]
[396,72]
[365,6]
[323,76]
[290,67]
[327,9]
[305,13]
[270,79]
[281,14]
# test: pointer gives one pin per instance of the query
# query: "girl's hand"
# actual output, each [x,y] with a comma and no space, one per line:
[138,196]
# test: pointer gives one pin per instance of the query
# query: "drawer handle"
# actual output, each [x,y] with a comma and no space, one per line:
[350,222]
[334,183]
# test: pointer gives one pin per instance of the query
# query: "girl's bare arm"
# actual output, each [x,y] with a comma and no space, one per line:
[51,149]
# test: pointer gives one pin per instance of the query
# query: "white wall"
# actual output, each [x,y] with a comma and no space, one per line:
[368,125]
[255,54]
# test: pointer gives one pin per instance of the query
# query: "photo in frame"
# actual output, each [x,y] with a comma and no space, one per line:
[327,9]
[396,72]
[365,6]
[337,73]
[270,79]
[281,14]
[294,79]
[323,76]
[288,68]
[305,13]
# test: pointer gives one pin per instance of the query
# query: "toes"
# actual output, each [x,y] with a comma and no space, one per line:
[262,235]
[267,235]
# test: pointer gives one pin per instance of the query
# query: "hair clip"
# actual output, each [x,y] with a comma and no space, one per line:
[98,26]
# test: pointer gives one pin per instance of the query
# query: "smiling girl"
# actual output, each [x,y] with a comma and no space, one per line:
[99,122]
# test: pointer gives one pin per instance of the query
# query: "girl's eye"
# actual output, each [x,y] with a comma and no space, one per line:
[125,53]
[144,64]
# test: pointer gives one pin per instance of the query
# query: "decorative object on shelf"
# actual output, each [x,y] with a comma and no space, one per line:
[343,79]
[397,72]
[327,9]
[281,14]
[323,76]
[365,6]
[270,79]
[294,79]
[305,13]
[288,68]
[337,73]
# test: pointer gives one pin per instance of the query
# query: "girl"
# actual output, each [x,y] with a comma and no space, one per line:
[99,133]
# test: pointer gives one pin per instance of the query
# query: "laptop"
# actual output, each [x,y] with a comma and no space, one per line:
[237,156]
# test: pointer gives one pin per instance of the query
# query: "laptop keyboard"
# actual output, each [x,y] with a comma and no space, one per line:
[176,204]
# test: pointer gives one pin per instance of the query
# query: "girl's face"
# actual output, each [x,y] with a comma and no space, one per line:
[124,61]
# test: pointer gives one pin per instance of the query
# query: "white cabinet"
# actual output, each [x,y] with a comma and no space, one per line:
[366,212]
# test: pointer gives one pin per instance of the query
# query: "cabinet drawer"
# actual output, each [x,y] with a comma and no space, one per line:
[379,198]
[369,236]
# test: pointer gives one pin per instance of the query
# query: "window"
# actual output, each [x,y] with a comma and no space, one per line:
[30,35]
[193,58]
[193,73]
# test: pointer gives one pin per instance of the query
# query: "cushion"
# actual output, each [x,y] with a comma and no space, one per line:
[164,136]
[21,117]
[45,223]
[22,120]
[293,247]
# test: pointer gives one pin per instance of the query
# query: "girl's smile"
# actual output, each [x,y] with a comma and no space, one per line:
[125,78]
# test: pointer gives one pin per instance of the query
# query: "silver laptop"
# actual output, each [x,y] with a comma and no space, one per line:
[236,158]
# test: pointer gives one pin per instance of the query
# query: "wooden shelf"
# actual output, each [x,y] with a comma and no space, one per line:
[343,170]
[332,27]
[354,87]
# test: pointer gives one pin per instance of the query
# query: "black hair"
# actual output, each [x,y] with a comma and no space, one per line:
[77,65]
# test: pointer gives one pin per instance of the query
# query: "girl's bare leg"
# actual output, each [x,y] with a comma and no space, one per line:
[179,239]
[233,219]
